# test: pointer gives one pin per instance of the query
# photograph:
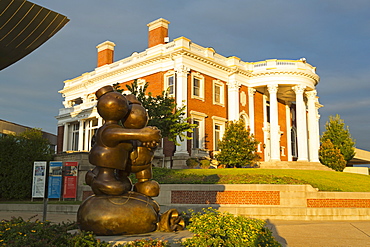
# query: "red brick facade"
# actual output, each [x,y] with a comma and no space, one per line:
[105,57]
[226,197]
[338,203]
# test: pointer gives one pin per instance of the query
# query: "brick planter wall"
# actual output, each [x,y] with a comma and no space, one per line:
[264,201]
[226,197]
[338,203]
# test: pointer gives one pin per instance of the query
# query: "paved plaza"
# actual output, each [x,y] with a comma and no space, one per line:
[288,233]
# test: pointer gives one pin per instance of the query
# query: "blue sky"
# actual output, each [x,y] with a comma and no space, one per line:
[333,35]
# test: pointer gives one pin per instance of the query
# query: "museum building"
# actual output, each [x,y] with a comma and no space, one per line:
[277,99]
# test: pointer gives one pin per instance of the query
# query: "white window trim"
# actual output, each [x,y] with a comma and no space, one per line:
[141,83]
[244,116]
[222,123]
[201,86]
[222,92]
[166,86]
[200,117]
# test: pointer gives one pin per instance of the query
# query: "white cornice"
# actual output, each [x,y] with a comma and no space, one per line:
[182,47]
[314,77]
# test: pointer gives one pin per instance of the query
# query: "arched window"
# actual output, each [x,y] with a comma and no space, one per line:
[245,119]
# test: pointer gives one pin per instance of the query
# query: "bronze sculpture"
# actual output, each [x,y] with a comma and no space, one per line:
[121,149]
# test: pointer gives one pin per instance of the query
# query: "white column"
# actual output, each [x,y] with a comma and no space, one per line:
[100,121]
[251,92]
[274,123]
[233,100]
[313,148]
[87,131]
[288,132]
[301,123]
[181,99]
[65,137]
[318,105]
[81,135]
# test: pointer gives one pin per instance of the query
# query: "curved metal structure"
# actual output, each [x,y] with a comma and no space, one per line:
[24,26]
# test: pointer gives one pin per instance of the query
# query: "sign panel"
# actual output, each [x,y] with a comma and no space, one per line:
[39,178]
[70,179]
[55,179]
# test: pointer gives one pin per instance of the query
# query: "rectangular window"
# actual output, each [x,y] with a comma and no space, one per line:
[91,126]
[217,93]
[196,135]
[171,85]
[217,136]
[75,136]
[196,87]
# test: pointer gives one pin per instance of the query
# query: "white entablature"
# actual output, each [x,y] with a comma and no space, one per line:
[206,60]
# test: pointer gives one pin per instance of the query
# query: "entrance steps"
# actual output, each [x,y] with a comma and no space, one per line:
[299,165]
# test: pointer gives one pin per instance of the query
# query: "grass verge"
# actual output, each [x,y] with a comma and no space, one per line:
[323,180]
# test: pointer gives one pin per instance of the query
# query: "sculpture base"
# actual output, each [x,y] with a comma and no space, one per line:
[131,213]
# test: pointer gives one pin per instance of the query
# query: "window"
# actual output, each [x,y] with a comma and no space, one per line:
[218,131]
[170,83]
[197,87]
[245,119]
[294,142]
[75,135]
[141,83]
[198,135]
[217,136]
[91,126]
[77,101]
[218,92]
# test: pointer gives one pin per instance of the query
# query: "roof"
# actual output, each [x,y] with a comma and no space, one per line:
[361,157]
[24,26]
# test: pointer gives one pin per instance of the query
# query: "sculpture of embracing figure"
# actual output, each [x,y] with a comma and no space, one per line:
[121,149]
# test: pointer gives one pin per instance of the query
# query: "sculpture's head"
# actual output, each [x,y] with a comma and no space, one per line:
[111,105]
[138,117]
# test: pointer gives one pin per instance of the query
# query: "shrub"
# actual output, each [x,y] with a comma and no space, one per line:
[238,147]
[213,228]
[192,162]
[18,232]
[205,164]
[331,156]
[147,243]
[17,154]
[338,133]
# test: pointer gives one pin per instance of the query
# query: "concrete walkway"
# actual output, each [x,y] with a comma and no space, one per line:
[288,233]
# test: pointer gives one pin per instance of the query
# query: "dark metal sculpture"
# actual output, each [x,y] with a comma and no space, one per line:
[123,145]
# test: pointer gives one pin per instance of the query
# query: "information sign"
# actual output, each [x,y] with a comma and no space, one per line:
[39,178]
[55,179]
[70,179]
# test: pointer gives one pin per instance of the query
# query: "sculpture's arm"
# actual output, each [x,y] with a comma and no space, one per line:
[113,136]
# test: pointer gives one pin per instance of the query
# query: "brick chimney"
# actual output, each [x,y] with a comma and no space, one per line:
[105,53]
[158,31]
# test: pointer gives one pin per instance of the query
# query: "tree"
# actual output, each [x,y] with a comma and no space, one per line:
[17,154]
[331,156]
[238,147]
[338,133]
[163,112]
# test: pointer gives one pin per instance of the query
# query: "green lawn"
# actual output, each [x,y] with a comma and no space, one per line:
[323,180]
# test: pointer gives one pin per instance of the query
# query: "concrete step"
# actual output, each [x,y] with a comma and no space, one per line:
[299,165]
